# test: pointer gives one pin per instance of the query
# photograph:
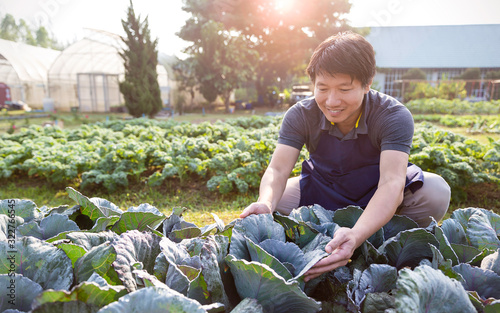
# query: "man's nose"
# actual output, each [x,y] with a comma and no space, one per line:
[332,99]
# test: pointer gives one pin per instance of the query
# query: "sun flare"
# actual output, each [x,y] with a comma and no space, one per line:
[284,5]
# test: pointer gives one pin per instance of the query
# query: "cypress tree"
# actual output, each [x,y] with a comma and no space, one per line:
[140,88]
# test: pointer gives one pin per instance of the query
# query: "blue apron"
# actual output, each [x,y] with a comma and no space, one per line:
[345,173]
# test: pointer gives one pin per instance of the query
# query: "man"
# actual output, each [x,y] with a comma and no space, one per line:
[359,142]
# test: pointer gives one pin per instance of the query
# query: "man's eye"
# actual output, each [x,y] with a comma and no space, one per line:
[345,90]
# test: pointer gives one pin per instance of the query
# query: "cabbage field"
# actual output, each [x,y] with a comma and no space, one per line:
[228,156]
[92,256]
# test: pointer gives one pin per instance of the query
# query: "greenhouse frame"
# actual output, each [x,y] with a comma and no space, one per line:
[86,75]
[24,69]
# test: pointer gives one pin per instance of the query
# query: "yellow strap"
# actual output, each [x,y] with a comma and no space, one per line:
[357,122]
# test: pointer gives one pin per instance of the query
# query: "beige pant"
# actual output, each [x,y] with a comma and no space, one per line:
[432,199]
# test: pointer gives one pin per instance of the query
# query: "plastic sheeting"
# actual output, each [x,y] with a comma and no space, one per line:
[24,69]
[85,75]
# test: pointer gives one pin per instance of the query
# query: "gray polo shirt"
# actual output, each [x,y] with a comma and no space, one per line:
[388,123]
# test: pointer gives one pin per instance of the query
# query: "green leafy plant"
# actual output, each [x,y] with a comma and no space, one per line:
[455,106]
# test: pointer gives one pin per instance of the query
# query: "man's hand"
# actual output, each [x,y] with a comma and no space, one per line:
[340,248]
[260,207]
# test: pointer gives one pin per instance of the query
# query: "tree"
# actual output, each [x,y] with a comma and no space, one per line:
[42,37]
[492,75]
[140,88]
[414,73]
[22,32]
[226,62]
[26,33]
[470,73]
[9,30]
[282,32]
[186,81]
[413,89]
[222,60]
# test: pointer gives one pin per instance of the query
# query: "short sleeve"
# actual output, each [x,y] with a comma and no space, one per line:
[396,132]
[293,128]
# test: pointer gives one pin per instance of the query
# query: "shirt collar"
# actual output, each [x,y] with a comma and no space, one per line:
[362,128]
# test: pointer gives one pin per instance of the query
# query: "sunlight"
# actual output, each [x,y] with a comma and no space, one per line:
[283,5]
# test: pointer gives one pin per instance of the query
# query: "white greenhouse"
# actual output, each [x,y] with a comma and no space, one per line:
[85,76]
[24,69]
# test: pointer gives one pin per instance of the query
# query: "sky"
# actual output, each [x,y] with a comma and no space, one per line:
[69,20]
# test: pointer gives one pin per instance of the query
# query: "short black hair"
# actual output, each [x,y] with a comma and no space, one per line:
[345,53]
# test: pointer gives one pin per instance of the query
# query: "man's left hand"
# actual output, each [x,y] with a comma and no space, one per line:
[340,248]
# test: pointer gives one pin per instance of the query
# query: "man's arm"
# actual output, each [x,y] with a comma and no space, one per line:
[377,213]
[274,180]
[387,198]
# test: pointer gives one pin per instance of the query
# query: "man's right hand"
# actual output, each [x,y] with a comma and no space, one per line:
[260,207]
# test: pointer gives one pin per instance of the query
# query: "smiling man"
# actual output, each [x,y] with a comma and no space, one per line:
[359,142]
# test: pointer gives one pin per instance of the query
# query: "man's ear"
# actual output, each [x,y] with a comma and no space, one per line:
[367,87]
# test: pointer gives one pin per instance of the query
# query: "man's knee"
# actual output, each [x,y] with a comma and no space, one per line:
[438,195]
[439,191]
[432,199]
[291,196]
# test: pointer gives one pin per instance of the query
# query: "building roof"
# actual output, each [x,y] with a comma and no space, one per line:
[457,46]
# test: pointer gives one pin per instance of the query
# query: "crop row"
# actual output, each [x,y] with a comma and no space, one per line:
[455,106]
[475,124]
[461,161]
[228,156]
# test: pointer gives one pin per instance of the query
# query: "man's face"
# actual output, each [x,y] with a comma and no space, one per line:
[340,99]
